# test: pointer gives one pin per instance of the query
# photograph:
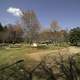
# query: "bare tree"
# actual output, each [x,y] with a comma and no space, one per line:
[15,33]
[55,28]
[31,26]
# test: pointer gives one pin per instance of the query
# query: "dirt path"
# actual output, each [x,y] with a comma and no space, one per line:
[65,51]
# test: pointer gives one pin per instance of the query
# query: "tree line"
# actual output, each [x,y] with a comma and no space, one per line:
[30,30]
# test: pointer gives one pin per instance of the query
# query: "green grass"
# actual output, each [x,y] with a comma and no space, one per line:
[12,54]
[9,55]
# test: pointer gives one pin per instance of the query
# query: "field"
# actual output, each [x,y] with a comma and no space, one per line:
[32,57]
[10,55]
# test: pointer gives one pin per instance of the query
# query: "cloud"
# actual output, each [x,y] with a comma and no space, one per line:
[14,11]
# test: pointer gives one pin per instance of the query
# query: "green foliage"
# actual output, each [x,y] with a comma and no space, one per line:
[74,36]
[1,27]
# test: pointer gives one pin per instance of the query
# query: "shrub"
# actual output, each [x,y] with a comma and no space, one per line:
[42,46]
[74,36]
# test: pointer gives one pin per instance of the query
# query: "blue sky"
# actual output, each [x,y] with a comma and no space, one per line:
[66,12]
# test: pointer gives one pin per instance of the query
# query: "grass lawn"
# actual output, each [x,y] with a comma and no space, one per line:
[12,54]
[9,55]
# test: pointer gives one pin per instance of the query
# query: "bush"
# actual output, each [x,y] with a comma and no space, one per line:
[74,36]
[42,46]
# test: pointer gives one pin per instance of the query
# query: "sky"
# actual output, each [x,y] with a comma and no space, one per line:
[66,12]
